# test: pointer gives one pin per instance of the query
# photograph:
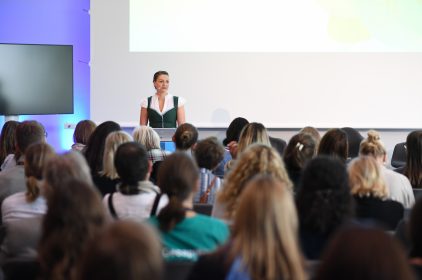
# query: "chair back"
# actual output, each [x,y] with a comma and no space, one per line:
[203,208]
[398,159]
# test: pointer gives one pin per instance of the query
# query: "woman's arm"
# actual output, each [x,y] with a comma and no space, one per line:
[144,116]
[181,115]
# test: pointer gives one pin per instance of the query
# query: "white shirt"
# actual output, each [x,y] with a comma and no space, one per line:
[168,103]
[16,207]
[136,207]
[399,187]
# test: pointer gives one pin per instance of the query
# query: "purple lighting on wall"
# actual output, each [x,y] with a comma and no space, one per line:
[64,22]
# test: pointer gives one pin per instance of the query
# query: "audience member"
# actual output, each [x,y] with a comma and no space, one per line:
[251,133]
[22,212]
[413,168]
[125,251]
[324,203]
[399,187]
[264,242]
[364,253]
[137,198]
[107,179]
[185,137]
[354,138]
[334,143]
[312,131]
[94,150]
[234,130]
[370,193]
[208,154]
[29,203]
[301,148]
[12,180]
[148,137]
[256,159]
[232,138]
[7,145]
[83,131]
[75,215]
[184,232]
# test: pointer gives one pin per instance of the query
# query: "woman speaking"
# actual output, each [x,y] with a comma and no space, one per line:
[162,110]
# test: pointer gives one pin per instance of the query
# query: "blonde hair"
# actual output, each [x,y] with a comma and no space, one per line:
[266,238]
[365,178]
[146,136]
[256,159]
[372,145]
[253,133]
[112,142]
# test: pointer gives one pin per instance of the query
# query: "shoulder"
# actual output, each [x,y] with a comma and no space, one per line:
[144,102]
[13,200]
[152,221]
[180,100]
[211,224]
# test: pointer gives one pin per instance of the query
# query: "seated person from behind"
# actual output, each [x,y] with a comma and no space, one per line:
[23,212]
[7,145]
[12,180]
[137,198]
[148,137]
[208,154]
[124,251]
[185,138]
[399,187]
[83,131]
[371,194]
[185,233]
[107,179]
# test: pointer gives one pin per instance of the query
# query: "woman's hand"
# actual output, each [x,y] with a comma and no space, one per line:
[232,146]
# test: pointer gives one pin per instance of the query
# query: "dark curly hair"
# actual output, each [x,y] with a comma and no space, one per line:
[324,201]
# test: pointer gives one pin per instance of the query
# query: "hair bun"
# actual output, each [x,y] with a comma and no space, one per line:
[373,136]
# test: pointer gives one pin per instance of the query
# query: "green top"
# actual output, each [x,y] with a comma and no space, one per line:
[191,236]
[167,120]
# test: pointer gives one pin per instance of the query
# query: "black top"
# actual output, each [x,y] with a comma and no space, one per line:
[104,184]
[212,266]
[386,213]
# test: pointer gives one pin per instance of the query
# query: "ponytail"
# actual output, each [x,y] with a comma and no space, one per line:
[171,215]
[32,189]
[177,177]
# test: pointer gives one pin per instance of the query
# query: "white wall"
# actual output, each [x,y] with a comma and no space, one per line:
[286,90]
[280,89]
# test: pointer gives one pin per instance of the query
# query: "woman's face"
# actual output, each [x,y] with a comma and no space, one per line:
[161,84]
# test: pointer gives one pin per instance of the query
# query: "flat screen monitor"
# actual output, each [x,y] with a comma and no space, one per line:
[36,79]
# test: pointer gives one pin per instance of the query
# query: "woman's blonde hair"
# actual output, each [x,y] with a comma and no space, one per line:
[256,159]
[365,178]
[253,133]
[146,136]
[265,231]
[113,141]
[372,145]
